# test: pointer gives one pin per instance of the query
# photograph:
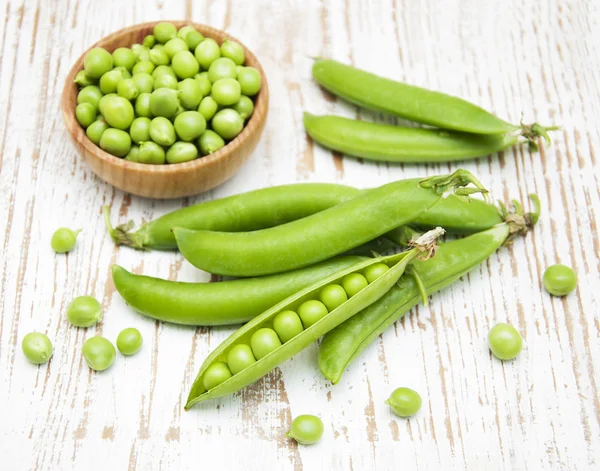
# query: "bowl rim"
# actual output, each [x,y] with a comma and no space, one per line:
[260,106]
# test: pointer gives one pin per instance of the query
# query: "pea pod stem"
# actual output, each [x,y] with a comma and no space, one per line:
[367,296]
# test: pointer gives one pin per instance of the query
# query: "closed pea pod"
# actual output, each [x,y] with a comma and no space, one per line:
[452,260]
[330,232]
[224,303]
[414,103]
[200,392]
[277,205]
[401,144]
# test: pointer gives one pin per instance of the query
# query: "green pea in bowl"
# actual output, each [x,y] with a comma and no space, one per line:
[170,180]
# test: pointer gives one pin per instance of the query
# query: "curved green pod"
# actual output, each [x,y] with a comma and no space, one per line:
[415,103]
[227,302]
[321,235]
[264,363]
[453,259]
[277,205]
[401,144]
[249,211]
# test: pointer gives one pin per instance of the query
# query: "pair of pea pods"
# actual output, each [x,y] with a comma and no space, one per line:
[462,130]
[353,324]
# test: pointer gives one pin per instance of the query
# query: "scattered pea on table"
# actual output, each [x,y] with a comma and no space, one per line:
[306,429]
[559,280]
[99,353]
[505,341]
[37,348]
[405,402]
[64,239]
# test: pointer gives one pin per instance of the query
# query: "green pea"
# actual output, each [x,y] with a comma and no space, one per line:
[99,353]
[144,82]
[226,91]
[333,296]
[84,311]
[133,154]
[227,123]
[164,102]
[104,100]
[180,109]
[184,31]
[163,69]
[83,80]
[118,112]
[85,114]
[375,271]
[159,57]
[185,64]
[221,68]
[129,341]
[405,402]
[250,81]
[97,62]
[237,69]
[210,142]
[143,67]
[208,107]
[128,89]
[37,347]
[203,82]
[140,130]
[63,240]
[287,324]
[159,47]
[311,312]
[353,283]
[151,153]
[175,45]
[162,131]
[90,94]
[149,41]
[95,130]
[110,80]
[207,52]
[306,429]
[263,342]
[181,152]
[193,38]
[124,57]
[189,125]
[124,72]
[233,51]
[115,141]
[505,341]
[165,81]
[140,52]
[142,105]
[164,32]
[559,280]
[216,374]
[244,107]
[240,357]
[190,93]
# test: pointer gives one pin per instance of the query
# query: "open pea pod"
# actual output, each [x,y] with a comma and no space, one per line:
[368,295]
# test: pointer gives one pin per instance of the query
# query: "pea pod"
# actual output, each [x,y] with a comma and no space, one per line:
[321,235]
[227,302]
[281,204]
[414,103]
[215,378]
[452,260]
[401,144]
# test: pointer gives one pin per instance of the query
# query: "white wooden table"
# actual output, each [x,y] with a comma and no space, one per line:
[539,59]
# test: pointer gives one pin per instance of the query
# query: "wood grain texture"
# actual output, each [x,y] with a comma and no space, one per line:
[539,60]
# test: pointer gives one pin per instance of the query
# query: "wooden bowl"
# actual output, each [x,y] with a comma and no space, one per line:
[172,180]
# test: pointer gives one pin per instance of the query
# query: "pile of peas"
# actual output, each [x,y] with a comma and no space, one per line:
[288,324]
[173,97]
